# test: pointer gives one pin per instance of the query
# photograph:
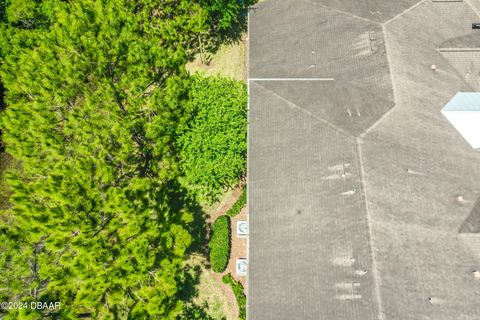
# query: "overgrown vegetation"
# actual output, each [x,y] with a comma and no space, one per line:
[239,294]
[220,244]
[96,93]
[213,142]
[195,312]
[239,204]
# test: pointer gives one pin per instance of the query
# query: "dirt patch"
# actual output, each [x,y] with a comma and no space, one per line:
[226,204]
[219,296]
[229,61]
[228,294]
[239,248]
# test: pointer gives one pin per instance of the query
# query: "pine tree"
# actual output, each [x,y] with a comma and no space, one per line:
[92,107]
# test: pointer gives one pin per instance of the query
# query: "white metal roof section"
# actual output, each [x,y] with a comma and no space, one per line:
[463,112]
[464,101]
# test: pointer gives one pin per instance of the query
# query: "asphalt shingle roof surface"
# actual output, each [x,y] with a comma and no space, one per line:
[354,178]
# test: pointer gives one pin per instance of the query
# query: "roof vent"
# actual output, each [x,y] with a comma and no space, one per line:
[361,272]
[476,274]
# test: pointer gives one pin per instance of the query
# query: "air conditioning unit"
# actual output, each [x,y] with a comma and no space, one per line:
[242,229]
[241,267]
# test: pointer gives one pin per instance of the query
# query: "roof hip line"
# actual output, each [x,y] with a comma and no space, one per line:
[394,90]
[342,12]
[403,12]
[375,277]
[303,110]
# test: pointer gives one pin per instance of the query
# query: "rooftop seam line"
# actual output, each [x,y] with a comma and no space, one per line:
[474,8]
[394,90]
[376,278]
[342,12]
[296,106]
[458,49]
[403,12]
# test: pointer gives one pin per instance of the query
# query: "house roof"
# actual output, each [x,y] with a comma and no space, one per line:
[354,174]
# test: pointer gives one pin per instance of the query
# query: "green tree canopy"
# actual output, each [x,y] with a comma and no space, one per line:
[93,104]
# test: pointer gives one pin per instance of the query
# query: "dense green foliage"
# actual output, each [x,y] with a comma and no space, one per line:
[239,204]
[227,20]
[95,93]
[20,23]
[226,13]
[195,312]
[239,295]
[91,205]
[220,244]
[213,143]
[5,162]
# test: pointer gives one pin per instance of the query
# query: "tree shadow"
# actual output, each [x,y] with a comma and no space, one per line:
[2,107]
[181,199]
[228,28]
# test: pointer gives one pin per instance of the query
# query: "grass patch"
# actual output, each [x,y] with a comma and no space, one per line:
[209,293]
[239,295]
[229,61]
[211,208]
[220,244]
[238,206]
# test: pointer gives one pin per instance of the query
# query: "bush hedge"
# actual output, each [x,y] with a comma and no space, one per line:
[238,206]
[213,143]
[239,294]
[220,244]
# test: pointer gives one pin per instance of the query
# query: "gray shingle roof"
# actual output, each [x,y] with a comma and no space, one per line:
[353,182]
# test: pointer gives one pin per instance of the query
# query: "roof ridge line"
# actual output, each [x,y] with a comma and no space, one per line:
[458,49]
[376,278]
[342,12]
[403,12]
[309,113]
[474,8]
[393,85]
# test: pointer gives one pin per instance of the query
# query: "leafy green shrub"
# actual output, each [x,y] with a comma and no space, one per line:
[213,142]
[220,243]
[239,294]
[238,206]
